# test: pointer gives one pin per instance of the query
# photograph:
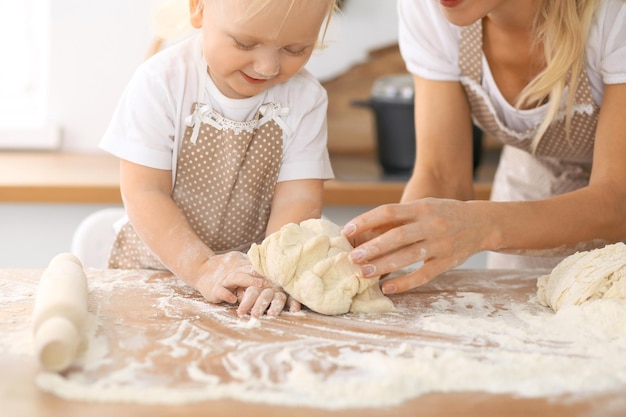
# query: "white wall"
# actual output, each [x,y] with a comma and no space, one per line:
[362,26]
[95,46]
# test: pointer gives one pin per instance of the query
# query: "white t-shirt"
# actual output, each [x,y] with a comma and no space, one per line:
[149,123]
[430,47]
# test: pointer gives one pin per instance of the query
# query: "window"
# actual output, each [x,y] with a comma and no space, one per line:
[24,44]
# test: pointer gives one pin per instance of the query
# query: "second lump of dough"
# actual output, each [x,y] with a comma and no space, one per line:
[310,262]
[583,276]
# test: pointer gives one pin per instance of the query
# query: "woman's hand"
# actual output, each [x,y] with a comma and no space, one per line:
[441,233]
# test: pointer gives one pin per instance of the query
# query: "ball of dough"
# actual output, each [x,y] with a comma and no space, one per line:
[310,262]
[591,275]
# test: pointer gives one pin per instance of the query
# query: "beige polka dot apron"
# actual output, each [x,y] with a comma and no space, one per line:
[558,165]
[224,184]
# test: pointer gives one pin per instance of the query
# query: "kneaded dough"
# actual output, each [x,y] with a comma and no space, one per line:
[590,275]
[310,262]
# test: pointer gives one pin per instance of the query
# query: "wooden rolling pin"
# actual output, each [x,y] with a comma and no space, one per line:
[60,312]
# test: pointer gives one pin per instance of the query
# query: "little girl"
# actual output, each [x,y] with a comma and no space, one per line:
[222,140]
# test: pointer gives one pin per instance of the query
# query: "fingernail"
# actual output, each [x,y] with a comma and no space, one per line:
[389,289]
[357,255]
[348,229]
[368,270]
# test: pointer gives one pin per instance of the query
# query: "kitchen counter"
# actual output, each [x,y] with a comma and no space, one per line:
[149,331]
[51,177]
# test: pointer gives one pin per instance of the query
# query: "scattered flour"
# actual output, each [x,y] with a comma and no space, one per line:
[252,323]
[466,331]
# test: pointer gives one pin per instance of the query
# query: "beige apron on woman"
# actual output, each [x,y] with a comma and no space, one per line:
[224,184]
[558,165]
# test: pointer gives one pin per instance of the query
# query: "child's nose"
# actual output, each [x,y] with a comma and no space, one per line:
[267,64]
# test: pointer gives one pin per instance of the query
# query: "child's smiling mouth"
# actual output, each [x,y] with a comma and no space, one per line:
[253,80]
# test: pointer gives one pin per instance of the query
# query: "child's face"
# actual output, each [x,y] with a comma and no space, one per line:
[247,54]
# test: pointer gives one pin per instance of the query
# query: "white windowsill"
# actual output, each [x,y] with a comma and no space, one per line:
[30,138]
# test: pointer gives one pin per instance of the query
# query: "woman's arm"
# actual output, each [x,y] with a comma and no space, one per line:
[443,161]
[443,233]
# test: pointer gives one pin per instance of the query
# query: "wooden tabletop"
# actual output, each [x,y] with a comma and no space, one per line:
[52,177]
[149,331]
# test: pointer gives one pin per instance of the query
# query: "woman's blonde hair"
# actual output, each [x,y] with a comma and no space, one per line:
[561,28]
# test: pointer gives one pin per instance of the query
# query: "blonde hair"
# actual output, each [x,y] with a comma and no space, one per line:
[561,28]
[257,6]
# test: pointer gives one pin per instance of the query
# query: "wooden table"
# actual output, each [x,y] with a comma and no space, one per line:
[52,177]
[143,315]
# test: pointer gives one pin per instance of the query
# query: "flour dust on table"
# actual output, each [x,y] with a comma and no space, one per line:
[153,340]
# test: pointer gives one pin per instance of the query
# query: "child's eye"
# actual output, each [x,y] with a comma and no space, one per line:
[244,46]
[295,52]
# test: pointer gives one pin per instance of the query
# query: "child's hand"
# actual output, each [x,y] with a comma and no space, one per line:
[224,274]
[230,277]
[270,300]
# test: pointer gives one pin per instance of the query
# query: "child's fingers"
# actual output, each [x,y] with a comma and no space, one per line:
[223,294]
[242,279]
[293,305]
[278,303]
[263,301]
[248,300]
[240,292]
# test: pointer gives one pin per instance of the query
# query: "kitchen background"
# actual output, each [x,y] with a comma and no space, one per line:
[94,48]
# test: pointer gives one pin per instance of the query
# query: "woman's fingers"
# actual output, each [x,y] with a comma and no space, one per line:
[429,270]
[377,220]
[394,240]
[393,261]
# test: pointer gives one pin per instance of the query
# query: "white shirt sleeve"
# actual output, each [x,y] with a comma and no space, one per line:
[148,122]
[429,44]
[610,32]
[142,128]
[305,152]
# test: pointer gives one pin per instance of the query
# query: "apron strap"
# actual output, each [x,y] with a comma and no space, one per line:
[201,114]
[273,111]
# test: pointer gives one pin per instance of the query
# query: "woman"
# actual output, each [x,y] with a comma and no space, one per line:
[548,79]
